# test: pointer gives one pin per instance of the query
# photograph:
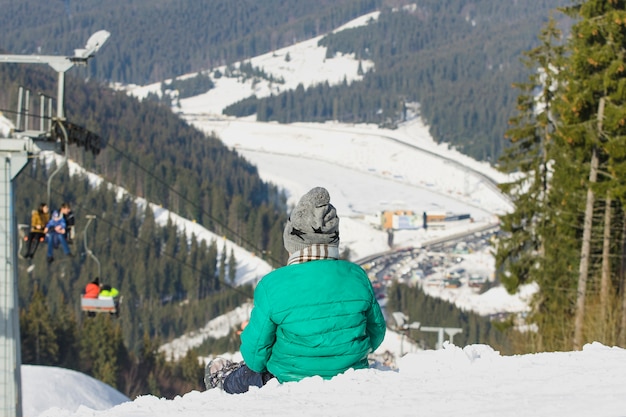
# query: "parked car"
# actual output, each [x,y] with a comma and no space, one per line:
[476,280]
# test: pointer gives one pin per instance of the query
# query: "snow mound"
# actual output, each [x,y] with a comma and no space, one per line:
[60,391]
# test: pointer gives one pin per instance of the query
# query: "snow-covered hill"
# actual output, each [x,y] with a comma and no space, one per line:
[58,390]
[366,169]
[473,381]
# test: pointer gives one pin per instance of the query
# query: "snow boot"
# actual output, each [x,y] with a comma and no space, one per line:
[217,370]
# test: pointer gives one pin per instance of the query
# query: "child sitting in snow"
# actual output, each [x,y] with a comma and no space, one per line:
[316,316]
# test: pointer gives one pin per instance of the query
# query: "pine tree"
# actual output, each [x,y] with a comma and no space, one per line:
[100,348]
[591,110]
[192,371]
[39,337]
[66,330]
[222,269]
[232,267]
[519,257]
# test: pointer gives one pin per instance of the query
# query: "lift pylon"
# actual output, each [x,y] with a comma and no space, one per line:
[15,154]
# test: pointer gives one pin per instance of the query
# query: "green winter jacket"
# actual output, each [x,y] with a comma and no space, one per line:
[315,318]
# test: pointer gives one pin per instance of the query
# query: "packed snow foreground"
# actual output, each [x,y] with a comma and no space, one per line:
[453,381]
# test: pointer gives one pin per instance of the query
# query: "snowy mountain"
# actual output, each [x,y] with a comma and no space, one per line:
[366,170]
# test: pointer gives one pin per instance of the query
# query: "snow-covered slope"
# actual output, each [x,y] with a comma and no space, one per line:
[63,390]
[366,169]
[474,381]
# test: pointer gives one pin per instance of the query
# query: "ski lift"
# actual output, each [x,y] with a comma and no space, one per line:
[91,306]
[61,127]
[101,304]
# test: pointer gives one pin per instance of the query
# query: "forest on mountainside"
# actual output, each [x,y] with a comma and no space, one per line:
[170,284]
[153,154]
[456,58]
[159,39]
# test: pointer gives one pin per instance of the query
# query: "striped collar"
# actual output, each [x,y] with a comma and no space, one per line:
[313,253]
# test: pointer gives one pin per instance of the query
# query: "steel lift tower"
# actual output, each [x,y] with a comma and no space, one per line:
[14,153]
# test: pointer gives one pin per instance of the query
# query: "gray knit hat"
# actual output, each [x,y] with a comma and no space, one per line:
[313,221]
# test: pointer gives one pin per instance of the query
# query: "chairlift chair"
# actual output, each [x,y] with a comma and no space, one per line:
[100,305]
[97,305]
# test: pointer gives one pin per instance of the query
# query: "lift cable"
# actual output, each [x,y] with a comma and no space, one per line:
[195,205]
[63,128]
[147,243]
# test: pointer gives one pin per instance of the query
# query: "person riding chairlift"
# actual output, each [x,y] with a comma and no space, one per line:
[106,291]
[92,290]
[55,233]
[70,221]
[38,221]
[96,290]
